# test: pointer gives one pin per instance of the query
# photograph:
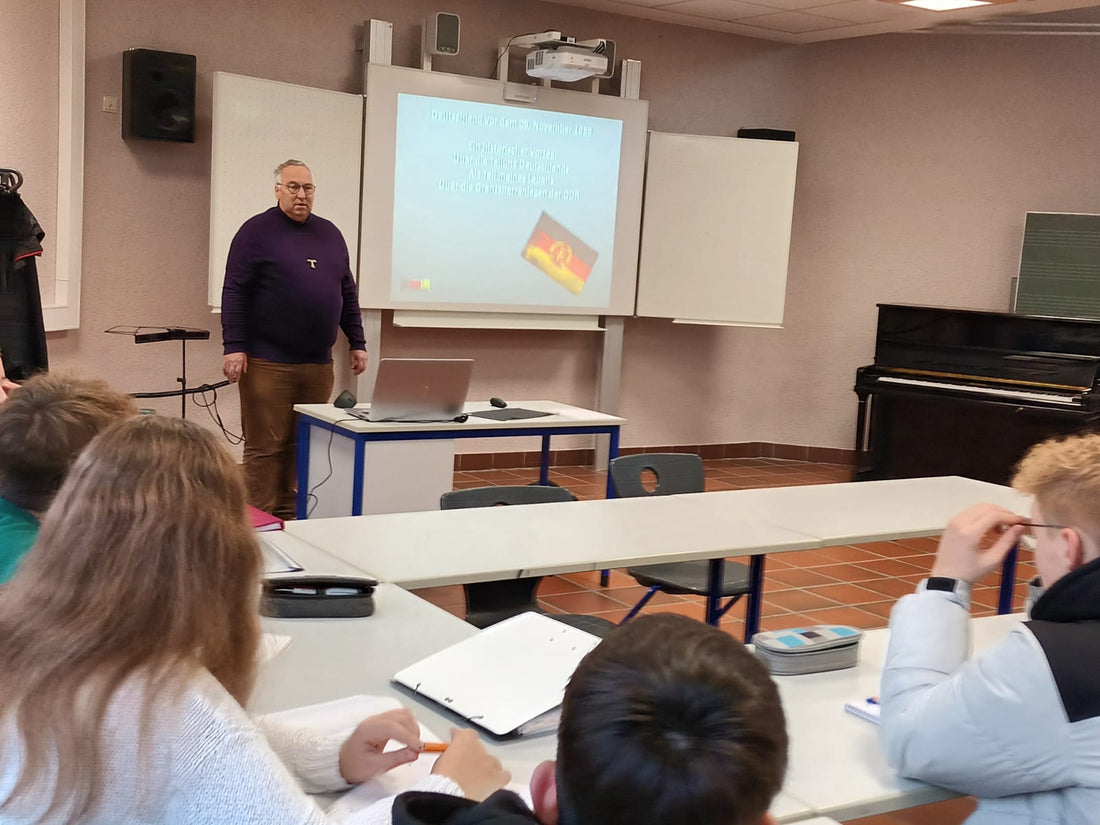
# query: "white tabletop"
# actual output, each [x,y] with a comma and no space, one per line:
[562,416]
[332,658]
[457,546]
[836,764]
[852,512]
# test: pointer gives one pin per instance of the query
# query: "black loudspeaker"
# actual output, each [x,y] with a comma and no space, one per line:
[765,134]
[158,95]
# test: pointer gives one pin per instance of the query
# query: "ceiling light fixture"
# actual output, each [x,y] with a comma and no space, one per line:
[947,5]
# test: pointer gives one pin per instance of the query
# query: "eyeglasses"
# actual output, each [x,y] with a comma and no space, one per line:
[293,188]
[1029,540]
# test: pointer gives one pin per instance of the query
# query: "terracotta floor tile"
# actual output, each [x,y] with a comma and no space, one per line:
[893,588]
[797,577]
[893,567]
[555,585]
[588,601]
[799,600]
[849,554]
[799,558]
[769,608]
[451,594]
[847,615]
[928,544]
[887,549]
[848,573]
[848,594]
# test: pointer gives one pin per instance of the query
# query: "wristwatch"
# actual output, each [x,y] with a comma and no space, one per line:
[958,587]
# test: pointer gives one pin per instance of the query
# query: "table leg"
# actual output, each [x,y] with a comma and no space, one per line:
[302,457]
[612,452]
[360,467]
[1008,581]
[715,570]
[755,596]
[544,462]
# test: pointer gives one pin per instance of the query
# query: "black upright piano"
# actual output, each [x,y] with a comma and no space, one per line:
[963,392]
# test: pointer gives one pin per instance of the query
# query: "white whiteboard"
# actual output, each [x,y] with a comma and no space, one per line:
[258,124]
[716,229]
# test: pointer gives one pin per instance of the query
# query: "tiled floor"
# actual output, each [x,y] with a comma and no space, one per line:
[854,584]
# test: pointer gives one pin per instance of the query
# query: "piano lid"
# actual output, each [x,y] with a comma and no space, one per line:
[995,347]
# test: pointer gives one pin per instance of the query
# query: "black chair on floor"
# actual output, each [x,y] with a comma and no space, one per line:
[667,474]
[491,602]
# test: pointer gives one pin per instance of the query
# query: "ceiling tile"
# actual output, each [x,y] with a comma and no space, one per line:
[718,9]
[795,22]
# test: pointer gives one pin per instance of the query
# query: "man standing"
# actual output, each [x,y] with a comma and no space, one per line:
[288,286]
[1018,725]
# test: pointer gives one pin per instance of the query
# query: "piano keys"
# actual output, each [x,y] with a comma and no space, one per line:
[965,392]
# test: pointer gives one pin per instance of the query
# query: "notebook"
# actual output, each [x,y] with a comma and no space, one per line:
[868,709]
[420,389]
[508,679]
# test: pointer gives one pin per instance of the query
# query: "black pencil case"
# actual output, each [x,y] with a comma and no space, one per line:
[318,597]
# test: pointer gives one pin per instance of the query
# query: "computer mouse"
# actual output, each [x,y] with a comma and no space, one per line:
[498,402]
[345,400]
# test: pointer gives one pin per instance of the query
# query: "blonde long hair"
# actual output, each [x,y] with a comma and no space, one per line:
[145,566]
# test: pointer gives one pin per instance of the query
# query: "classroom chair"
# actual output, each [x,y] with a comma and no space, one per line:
[491,602]
[671,473]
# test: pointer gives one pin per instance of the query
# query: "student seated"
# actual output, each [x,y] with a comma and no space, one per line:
[44,424]
[128,645]
[1019,725]
[668,722]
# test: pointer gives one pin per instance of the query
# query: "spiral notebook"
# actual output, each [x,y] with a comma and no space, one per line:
[868,709]
[508,679]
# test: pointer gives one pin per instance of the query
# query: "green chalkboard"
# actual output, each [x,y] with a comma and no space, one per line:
[1060,266]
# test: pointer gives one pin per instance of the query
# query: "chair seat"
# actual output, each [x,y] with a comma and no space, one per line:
[690,577]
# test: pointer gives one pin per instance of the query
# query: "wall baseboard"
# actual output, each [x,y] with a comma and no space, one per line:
[582,457]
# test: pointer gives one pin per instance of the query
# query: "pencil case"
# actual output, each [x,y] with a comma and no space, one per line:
[317,597]
[808,649]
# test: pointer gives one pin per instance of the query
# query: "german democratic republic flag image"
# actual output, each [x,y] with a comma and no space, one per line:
[560,254]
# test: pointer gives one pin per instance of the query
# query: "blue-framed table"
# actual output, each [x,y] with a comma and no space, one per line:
[487,544]
[345,441]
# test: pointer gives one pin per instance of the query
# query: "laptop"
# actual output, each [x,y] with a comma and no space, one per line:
[419,389]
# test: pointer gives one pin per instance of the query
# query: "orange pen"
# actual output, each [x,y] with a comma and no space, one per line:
[434,747]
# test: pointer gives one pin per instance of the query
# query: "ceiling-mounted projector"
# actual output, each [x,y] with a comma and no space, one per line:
[565,63]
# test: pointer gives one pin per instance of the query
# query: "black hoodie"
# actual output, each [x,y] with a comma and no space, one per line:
[423,808]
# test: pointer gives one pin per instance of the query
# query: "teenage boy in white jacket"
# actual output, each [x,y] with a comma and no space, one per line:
[1019,725]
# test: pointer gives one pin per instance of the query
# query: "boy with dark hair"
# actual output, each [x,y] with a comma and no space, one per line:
[44,424]
[668,721]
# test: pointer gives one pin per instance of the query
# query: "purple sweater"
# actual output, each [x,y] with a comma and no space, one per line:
[288,285]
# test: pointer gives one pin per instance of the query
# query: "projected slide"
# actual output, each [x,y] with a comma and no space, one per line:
[498,205]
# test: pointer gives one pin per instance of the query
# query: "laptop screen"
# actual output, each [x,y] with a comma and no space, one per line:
[420,389]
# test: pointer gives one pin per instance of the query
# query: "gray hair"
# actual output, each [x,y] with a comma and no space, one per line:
[279,169]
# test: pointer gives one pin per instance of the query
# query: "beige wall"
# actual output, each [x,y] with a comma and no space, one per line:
[919,156]
[28,115]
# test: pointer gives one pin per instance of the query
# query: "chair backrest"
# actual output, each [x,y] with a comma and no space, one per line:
[675,473]
[493,496]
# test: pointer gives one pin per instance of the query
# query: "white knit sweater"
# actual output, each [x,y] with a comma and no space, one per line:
[207,763]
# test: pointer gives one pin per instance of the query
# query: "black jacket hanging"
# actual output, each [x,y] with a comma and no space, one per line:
[22,332]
